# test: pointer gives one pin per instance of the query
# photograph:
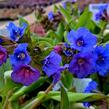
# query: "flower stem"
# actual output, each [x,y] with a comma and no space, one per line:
[7,104]
[36,102]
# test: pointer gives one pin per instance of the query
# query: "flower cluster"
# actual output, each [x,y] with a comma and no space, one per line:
[83,62]
[90,57]
[20,59]
[22,72]
[86,56]
[67,58]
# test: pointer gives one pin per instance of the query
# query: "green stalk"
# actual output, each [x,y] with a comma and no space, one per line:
[36,102]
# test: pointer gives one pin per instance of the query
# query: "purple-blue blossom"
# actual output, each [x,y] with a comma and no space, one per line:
[82,39]
[50,16]
[64,5]
[102,14]
[91,87]
[25,74]
[74,1]
[20,55]
[16,33]
[102,59]
[82,64]
[1,40]
[51,63]
[52,66]
[3,55]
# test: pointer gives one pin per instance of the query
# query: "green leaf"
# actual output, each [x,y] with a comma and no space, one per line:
[36,40]
[64,99]
[27,89]
[102,24]
[65,36]
[75,97]
[55,8]
[67,80]
[15,105]
[67,15]
[1,106]
[106,36]
[60,31]
[44,44]
[21,21]
[84,19]
[5,67]
[93,27]
[54,36]
[8,84]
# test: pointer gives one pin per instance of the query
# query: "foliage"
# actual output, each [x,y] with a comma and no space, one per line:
[54,89]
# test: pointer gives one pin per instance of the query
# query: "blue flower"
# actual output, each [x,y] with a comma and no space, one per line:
[64,5]
[74,1]
[20,55]
[25,74]
[51,66]
[16,33]
[3,55]
[67,50]
[102,59]
[89,89]
[98,16]
[56,77]
[82,64]
[82,39]
[1,40]
[102,13]
[50,16]
[51,63]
